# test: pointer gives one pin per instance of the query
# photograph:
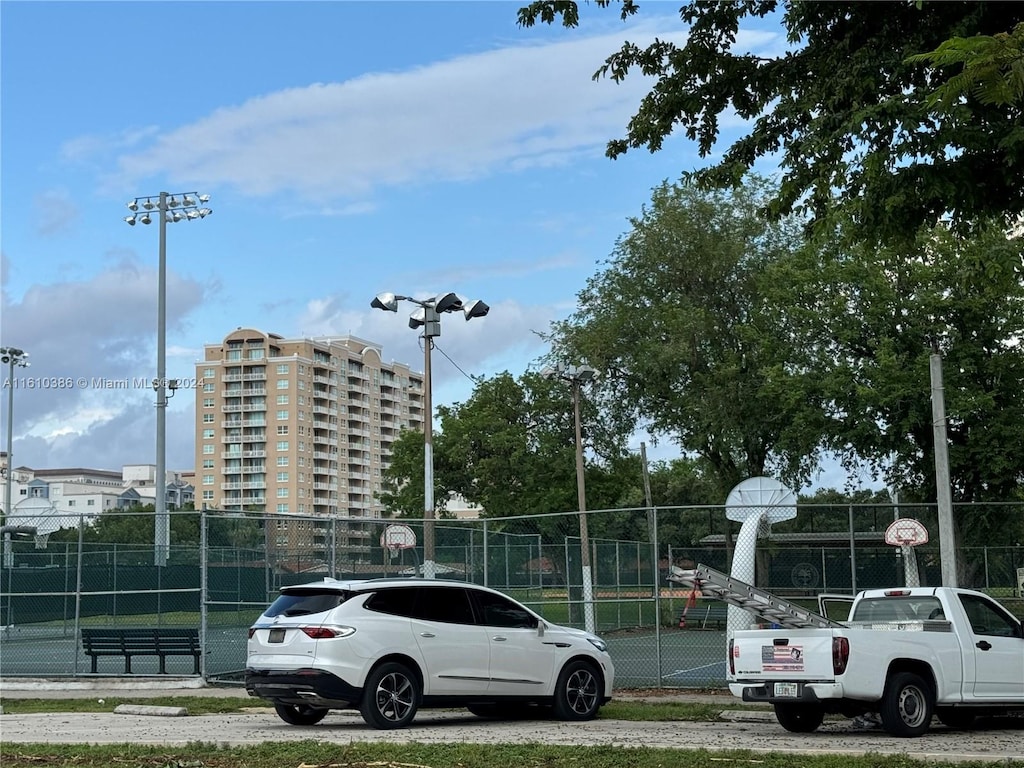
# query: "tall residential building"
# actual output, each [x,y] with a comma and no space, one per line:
[299,426]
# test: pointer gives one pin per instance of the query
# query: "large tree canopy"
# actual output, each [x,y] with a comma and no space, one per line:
[869,320]
[855,123]
[678,324]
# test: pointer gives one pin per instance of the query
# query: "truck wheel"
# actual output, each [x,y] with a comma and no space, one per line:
[957,719]
[907,705]
[799,718]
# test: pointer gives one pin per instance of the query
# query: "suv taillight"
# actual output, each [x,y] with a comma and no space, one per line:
[252,631]
[840,654]
[732,658]
[321,633]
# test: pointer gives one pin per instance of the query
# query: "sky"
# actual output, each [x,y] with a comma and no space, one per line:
[349,148]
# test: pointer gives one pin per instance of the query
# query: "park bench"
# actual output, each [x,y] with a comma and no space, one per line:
[706,615]
[130,641]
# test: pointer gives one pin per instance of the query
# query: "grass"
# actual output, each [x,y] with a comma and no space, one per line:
[314,754]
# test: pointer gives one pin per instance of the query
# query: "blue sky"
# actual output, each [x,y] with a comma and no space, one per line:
[349,148]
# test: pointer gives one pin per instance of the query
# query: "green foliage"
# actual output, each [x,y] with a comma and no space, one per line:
[868,321]
[854,125]
[136,526]
[678,323]
[992,69]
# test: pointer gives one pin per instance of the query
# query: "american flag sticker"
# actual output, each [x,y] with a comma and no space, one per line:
[782,658]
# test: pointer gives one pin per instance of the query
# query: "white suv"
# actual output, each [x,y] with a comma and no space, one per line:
[391,646]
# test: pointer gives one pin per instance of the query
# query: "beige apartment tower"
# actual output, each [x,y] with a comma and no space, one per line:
[299,426]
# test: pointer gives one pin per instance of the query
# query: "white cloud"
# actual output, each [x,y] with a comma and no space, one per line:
[508,109]
[78,333]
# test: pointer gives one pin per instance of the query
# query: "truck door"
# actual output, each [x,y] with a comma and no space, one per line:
[998,647]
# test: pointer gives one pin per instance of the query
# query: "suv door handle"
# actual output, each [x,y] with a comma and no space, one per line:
[427,634]
[984,644]
[499,638]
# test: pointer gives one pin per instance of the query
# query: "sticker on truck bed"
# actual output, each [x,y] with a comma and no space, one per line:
[782,658]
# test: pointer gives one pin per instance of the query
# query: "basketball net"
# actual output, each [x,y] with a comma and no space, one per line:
[40,540]
[394,549]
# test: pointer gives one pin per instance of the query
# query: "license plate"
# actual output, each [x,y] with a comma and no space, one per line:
[277,636]
[785,690]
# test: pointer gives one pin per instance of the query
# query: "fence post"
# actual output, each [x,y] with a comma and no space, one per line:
[78,586]
[203,589]
[485,552]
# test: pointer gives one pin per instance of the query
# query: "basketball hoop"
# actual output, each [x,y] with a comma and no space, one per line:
[906,532]
[395,538]
[40,540]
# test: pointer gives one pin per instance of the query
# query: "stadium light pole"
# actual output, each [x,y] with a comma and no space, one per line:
[11,357]
[168,208]
[428,317]
[577,376]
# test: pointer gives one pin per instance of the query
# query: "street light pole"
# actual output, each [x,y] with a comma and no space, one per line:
[11,357]
[577,376]
[169,209]
[428,317]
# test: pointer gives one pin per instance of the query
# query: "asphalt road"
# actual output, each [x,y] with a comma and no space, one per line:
[751,731]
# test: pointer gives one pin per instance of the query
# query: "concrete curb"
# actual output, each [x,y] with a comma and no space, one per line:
[143,709]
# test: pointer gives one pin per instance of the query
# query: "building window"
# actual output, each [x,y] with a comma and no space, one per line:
[282,509]
[282,383]
[208,402]
[282,399]
[207,449]
[282,493]
[207,495]
[282,415]
[282,368]
[282,477]
[207,418]
[282,445]
[208,434]
[207,479]
[282,429]
[71,502]
[208,387]
[207,463]
[90,503]
[282,461]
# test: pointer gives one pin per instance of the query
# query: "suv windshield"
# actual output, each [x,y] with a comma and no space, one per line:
[303,602]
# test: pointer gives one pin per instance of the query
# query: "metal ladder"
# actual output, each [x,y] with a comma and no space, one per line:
[764,605]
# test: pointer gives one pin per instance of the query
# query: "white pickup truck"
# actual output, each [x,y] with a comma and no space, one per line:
[904,654]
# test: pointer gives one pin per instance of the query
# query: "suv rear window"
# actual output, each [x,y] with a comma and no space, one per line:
[303,602]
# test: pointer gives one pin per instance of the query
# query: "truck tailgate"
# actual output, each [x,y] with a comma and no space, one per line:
[783,654]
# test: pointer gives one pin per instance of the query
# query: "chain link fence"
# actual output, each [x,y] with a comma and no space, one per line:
[660,635]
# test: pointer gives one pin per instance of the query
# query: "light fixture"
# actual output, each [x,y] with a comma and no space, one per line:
[427,316]
[185,205]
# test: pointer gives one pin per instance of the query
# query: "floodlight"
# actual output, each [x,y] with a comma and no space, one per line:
[475,308]
[386,301]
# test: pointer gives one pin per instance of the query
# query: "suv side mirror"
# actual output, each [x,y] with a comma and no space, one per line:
[540,629]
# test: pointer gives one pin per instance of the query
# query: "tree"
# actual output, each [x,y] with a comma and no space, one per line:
[854,122]
[992,69]
[511,449]
[869,319]
[678,324]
